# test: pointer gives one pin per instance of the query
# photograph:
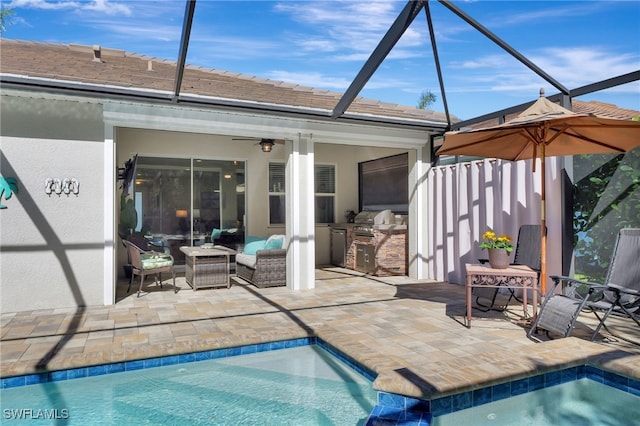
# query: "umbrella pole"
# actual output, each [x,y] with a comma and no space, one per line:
[543,223]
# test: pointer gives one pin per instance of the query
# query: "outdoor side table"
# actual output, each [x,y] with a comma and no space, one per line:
[515,276]
[207,267]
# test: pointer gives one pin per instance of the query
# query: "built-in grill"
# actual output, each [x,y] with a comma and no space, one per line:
[366,221]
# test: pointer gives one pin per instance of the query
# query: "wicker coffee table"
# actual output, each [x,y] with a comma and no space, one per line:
[207,267]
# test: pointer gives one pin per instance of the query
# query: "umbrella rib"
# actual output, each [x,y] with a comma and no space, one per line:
[534,142]
[572,130]
[479,141]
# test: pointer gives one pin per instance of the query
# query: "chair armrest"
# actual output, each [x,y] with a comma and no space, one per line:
[625,290]
[270,253]
[576,281]
[573,286]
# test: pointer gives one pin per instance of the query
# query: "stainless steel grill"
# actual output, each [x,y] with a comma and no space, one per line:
[363,230]
[366,221]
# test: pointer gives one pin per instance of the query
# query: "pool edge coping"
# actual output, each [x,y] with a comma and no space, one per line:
[389,406]
[407,410]
[166,360]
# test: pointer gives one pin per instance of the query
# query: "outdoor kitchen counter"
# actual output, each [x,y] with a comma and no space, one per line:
[393,227]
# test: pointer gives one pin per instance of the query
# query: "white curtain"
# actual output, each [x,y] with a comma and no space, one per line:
[467,199]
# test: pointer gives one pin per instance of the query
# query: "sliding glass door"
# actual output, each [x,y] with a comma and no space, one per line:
[190,202]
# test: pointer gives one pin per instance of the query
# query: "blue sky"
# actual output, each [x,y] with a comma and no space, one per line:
[324,44]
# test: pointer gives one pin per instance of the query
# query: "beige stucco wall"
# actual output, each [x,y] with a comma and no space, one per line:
[51,246]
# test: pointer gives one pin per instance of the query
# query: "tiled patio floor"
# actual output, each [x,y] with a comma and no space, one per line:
[411,333]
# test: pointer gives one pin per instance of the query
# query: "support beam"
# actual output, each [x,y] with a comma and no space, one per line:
[399,26]
[184,44]
[475,24]
[432,34]
[606,84]
[110,275]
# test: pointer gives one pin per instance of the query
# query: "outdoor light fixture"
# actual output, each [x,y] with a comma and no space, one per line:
[182,213]
[266,145]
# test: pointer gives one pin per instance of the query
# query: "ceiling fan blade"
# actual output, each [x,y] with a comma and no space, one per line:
[258,140]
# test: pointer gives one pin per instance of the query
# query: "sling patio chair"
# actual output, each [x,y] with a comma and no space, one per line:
[619,295]
[146,263]
[527,252]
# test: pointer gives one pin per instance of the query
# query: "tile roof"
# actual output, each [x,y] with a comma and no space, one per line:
[600,109]
[603,110]
[75,63]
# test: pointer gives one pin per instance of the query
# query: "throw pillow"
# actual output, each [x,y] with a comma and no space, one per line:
[215,234]
[274,242]
[253,247]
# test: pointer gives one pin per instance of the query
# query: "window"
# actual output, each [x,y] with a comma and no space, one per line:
[325,192]
[277,212]
[325,188]
[179,200]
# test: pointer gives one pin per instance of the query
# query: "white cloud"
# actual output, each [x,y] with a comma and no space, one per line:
[109,8]
[572,67]
[351,27]
[43,4]
[576,66]
[317,45]
[103,6]
[489,61]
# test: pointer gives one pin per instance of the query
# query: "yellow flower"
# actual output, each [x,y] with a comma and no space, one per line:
[490,240]
[489,235]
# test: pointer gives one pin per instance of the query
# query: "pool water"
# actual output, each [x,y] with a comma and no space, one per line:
[297,386]
[580,402]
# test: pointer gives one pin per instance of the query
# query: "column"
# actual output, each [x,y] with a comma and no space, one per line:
[300,220]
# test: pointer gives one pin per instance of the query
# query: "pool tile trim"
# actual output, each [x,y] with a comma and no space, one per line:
[391,408]
[410,411]
[140,364]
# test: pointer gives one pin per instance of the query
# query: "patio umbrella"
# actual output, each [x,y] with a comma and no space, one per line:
[544,130]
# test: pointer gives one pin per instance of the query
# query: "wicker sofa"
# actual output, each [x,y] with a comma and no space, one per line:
[261,264]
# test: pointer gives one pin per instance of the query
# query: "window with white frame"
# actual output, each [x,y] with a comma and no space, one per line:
[277,206]
[325,193]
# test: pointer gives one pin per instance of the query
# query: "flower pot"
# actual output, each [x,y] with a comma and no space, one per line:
[498,258]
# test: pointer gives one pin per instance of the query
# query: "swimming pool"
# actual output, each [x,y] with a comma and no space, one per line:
[299,385]
[581,402]
[572,396]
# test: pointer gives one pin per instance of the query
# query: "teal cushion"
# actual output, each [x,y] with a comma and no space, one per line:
[274,243]
[252,238]
[215,233]
[253,247]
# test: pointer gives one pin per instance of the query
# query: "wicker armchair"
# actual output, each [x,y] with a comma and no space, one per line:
[268,270]
[263,263]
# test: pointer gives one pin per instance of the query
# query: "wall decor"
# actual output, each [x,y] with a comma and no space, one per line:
[8,187]
[58,186]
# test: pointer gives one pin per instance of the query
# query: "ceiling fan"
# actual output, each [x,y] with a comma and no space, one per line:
[265,143]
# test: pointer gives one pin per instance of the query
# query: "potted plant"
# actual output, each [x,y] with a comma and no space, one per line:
[128,217]
[498,247]
[128,224]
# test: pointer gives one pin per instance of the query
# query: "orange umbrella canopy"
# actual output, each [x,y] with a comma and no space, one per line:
[545,127]
[544,130]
